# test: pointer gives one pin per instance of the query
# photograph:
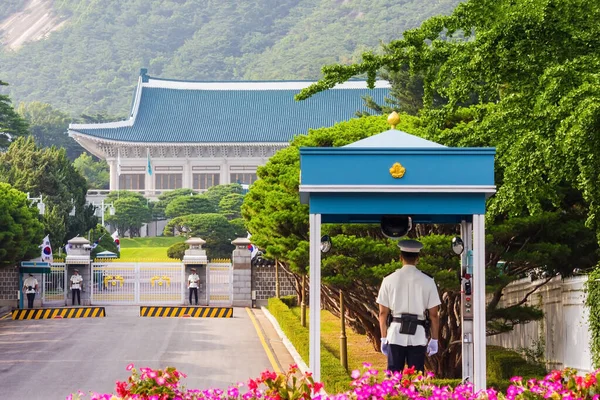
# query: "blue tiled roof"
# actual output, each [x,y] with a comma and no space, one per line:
[234,116]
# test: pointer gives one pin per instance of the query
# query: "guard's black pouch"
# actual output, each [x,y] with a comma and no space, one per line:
[29,287]
[408,324]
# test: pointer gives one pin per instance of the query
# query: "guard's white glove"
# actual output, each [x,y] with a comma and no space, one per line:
[432,347]
[385,346]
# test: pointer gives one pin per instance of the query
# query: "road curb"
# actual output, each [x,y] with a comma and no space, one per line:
[59,313]
[186,312]
[286,342]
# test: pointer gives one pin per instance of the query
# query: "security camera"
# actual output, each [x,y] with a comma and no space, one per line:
[395,226]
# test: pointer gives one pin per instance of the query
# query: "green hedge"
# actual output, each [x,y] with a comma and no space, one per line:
[290,301]
[503,364]
[335,378]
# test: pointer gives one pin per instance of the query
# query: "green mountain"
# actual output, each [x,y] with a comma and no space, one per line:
[92,51]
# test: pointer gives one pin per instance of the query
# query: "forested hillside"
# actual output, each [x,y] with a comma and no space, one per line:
[91,64]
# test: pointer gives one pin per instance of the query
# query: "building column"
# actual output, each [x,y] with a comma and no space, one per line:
[186,179]
[314,352]
[479,325]
[114,178]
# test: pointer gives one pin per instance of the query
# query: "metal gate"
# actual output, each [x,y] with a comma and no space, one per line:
[54,285]
[137,283]
[220,284]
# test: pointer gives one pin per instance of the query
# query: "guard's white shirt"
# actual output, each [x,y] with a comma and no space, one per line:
[408,291]
[76,281]
[193,280]
[30,281]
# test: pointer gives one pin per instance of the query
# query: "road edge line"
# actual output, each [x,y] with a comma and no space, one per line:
[270,355]
[286,342]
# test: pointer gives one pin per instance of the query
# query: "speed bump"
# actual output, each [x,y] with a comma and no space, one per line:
[62,312]
[180,311]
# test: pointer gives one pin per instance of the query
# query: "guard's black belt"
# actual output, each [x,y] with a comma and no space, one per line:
[418,321]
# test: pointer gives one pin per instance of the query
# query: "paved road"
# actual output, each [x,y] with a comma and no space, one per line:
[49,359]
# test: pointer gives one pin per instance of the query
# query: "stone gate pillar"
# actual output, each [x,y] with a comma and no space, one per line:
[78,258]
[242,273]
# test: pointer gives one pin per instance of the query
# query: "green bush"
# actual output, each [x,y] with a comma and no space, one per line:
[502,364]
[290,301]
[177,250]
[335,378]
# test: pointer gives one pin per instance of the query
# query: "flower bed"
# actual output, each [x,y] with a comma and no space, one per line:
[366,385]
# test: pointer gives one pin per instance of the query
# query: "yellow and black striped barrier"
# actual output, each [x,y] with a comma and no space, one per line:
[63,312]
[193,312]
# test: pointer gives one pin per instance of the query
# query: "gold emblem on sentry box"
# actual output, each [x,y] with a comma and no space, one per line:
[397,170]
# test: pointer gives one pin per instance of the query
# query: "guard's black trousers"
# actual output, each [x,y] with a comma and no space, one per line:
[30,298]
[409,355]
[76,292]
[194,291]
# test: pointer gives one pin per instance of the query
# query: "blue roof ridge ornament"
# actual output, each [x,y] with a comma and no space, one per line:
[394,138]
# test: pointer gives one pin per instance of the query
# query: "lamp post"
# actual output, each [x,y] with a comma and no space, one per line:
[103,206]
[39,201]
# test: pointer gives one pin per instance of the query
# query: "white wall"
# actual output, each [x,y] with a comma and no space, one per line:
[564,326]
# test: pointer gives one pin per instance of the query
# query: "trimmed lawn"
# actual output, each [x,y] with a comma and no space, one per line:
[159,241]
[144,253]
[359,348]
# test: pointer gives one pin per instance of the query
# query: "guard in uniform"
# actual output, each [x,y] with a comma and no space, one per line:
[193,280]
[407,294]
[30,287]
[76,285]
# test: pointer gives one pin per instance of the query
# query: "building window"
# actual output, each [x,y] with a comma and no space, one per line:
[168,181]
[204,181]
[132,181]
[243,178]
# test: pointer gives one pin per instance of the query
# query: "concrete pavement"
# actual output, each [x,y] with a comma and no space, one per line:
[43,359]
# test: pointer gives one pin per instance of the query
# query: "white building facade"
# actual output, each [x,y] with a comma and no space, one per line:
[183,134]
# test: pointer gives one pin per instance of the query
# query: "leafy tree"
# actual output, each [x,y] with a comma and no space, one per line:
[49,173]
[131,212]
[213,228]
[239,226]
[165,198]
[360,257]
[21,232]
[185,205]
[538,107]
[96,172]
[104,241]
[177,250]
[216,193]
[49,127]
[231,205]
[55,227]
[11,124]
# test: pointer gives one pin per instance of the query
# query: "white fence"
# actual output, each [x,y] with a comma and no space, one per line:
[220,284]
[54,285]
[138,283]
[563,334]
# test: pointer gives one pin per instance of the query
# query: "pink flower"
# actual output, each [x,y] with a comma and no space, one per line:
[129,367]
[160,380]
[355,374]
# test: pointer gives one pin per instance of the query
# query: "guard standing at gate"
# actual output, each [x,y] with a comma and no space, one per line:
[407,294]
[30,287]
[76,285]
[193,285]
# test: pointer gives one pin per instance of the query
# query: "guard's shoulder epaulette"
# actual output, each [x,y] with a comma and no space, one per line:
[425,273]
